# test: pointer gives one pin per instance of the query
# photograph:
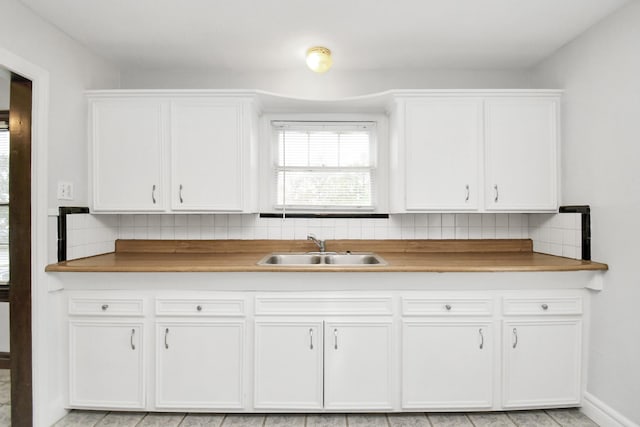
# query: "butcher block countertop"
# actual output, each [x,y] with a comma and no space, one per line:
[508,255]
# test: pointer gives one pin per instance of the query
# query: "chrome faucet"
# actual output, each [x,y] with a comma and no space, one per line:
[317,241]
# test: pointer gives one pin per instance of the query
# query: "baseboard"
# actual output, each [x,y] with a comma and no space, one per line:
[603,414]
[55,413]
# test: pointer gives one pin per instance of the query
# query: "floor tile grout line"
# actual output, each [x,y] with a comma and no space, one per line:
[511,419]
[470,420]
[552,417]
[102,418]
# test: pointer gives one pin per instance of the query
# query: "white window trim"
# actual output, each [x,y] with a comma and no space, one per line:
[268,149]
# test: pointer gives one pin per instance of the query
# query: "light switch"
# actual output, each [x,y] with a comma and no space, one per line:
[65,191]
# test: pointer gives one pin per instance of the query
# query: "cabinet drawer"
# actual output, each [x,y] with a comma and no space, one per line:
[447,306]
[541,306]
[106,306]
[200,307]
[322,305]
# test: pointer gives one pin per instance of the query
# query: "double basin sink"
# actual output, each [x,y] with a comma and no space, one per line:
[323,259]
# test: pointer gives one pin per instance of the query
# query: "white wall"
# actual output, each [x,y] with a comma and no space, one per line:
[334,84]
[600,72]
[73,69]
[4,89]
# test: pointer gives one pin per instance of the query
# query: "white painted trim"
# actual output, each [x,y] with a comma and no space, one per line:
[603,414]
[44,414]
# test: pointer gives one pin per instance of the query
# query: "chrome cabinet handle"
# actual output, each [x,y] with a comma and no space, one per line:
[180,194]
[310,338]
[481,338]
[497,193]
[515,337]
[166,334]
[466,198]
[545,306]
[104,307]
[153,194]
[335,339]
[133,333]
[448,307]
[199,308]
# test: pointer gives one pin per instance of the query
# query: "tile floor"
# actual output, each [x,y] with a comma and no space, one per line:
[550,418]
[5,398]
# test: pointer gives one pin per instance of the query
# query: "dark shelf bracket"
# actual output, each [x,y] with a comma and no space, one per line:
[63,211]
[585,212]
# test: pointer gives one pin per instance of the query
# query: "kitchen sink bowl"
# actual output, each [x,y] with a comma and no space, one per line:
[353,259]
[319,259]
[291,259]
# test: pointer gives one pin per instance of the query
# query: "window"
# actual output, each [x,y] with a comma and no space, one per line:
[324,166]
[4,202]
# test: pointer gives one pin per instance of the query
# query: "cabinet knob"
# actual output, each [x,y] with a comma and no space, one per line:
[544,306]
[199,308]
[104,307]
[448,307]
[153,194]
[180,194]
[466,197]
[497,193]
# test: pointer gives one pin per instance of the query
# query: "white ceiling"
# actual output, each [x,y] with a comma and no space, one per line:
[363,34]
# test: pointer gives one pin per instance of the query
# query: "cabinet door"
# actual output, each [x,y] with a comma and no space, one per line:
[442,142]
[127,155]
[106,365]
[521,154]
[541,363]
[207,151]
[199,365]
[288,365]
[447,365]
[358,365]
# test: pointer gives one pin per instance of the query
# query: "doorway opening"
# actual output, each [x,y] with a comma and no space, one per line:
[15,251]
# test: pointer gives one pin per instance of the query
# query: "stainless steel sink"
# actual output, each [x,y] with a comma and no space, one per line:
[291,259]
[353,259]
[323,259]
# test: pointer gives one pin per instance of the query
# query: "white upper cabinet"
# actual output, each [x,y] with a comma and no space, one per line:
[521,153]
[207,161]
[443,138]
[127,151]
[474,151]
[155,152]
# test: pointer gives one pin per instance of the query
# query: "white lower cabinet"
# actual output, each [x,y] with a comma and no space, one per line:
[357,360]
[350,365]
[447,364]
[541,362]
[288,364]
[106,364]
[199,364]
[333,351]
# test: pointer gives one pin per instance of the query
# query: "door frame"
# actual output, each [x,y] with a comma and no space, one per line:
[45,412]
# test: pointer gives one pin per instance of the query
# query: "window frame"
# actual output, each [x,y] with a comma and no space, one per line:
[269,152]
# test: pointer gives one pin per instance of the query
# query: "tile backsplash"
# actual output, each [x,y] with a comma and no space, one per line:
[551,233]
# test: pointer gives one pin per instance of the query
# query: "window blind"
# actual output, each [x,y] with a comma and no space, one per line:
[324,166]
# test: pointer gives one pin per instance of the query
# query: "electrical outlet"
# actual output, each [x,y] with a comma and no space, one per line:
[65,191]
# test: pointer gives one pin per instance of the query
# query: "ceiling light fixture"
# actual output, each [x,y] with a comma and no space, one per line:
[319,59]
